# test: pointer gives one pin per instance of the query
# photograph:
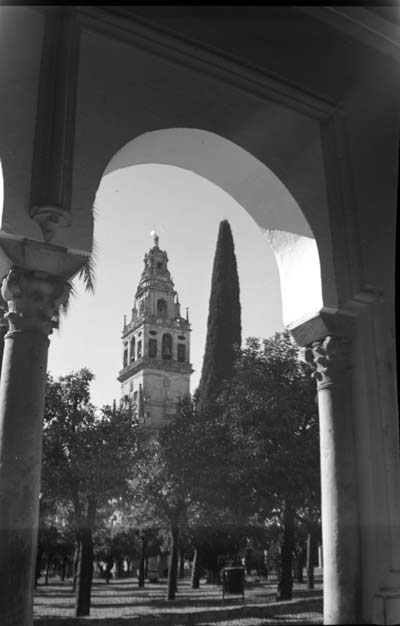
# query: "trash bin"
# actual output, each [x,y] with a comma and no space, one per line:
[233,581]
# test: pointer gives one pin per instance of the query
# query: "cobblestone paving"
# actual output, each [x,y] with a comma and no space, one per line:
[122,603]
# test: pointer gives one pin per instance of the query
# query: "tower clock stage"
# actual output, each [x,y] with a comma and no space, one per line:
[156,344]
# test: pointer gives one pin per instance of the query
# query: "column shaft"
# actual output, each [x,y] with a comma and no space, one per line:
[340,526]
[33,299]
[22,387]
[331,361]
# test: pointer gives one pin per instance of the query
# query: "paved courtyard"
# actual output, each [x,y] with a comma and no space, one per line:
[122,603]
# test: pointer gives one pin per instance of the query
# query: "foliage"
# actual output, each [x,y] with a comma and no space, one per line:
[180,470]
[87,458]
[224,319]
[118,535]
[269,408]
[270,411]
[162,480]
[85,453]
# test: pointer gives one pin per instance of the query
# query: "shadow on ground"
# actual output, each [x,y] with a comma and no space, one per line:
[124,604]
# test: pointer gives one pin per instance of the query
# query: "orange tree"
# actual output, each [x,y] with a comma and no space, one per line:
[270,413]
[87,460]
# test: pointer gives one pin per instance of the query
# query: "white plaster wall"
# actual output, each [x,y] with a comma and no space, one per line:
[300,274]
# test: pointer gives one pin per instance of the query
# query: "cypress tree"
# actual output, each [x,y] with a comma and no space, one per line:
[224,320]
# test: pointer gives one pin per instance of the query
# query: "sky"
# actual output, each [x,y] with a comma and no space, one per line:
[186,210]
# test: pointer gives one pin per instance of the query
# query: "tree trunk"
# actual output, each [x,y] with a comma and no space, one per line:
[38,564]
[196,570]
[64,568]
[109,566]
[46,578]
[119,568]
[181,563]
[173,567]
[310,563]
[75,564]
[285,577]
[299,563]
[142,555]
[84,573]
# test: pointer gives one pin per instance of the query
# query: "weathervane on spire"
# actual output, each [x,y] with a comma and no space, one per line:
[154,235]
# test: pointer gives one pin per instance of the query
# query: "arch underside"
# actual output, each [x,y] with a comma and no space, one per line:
[257,189]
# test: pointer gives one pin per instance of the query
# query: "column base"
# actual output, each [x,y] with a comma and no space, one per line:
[386,603]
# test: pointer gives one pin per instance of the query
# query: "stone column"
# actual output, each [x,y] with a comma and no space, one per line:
[331,359]
[33,300]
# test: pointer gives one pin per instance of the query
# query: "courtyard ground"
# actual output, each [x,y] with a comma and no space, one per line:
[122,603]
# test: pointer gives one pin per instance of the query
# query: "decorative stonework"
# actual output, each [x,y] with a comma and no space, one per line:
[330,359]
[33,300]
[154,364]
[50,219]
[156,321]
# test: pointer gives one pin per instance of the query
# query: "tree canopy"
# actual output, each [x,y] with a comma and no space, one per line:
[269,408]
[87,459]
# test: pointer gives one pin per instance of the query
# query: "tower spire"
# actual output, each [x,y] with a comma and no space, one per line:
[154,235]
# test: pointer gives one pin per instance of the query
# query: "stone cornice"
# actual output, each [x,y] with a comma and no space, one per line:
[327,322]
[120,23]
[158,322]
[360,23]
[333,321]
[147,363]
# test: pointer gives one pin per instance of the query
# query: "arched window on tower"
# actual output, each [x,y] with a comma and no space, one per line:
[152,348]
[167,346]
[161,306]
[132,349]
[139,349]
[125,356]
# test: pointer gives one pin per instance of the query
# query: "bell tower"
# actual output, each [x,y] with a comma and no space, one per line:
[156,344]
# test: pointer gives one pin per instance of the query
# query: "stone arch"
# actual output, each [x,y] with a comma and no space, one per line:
[253,185]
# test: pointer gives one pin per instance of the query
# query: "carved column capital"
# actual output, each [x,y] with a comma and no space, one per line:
[33,300]
[50,218]
[330,358]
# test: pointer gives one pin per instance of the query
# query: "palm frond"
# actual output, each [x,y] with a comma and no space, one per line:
[86,274]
